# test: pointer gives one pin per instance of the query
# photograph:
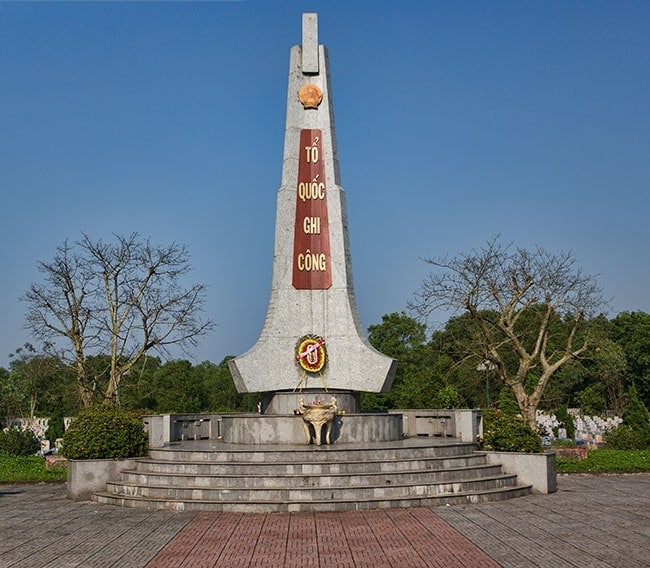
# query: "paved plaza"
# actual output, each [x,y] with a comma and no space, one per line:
[592,521]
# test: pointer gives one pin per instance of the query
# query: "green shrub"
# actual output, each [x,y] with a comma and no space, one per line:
[15,442]
[105,432]
[507,433]
[623,437]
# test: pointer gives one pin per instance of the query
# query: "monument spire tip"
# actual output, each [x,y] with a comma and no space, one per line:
[310,64]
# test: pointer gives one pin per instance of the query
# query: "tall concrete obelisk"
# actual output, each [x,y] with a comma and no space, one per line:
[312,335]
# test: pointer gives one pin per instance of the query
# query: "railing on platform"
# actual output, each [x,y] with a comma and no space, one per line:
[464,425]
[166,428]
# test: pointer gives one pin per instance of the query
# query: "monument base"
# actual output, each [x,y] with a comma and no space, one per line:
[287,402]
[255,430]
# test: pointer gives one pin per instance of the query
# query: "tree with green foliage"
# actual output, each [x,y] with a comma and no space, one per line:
[34,373]
[637,417]
[416,381]
[55,426]
[125,299]
[178,386]
[605,364]
[518,298]
[631,332]
[506,402]
[13,399]
[592,400]
[608,366]
[447,397]
[565,384]
[223,395]
[37,384]
[475,381]
[139,392]
[178,390]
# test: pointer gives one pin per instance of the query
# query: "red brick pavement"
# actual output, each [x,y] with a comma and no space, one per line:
[410,538]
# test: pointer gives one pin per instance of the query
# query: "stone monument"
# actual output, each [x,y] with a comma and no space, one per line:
[312,339]
[311,359]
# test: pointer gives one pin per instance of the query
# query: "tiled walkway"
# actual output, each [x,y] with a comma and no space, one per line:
[591,522]
[396,537]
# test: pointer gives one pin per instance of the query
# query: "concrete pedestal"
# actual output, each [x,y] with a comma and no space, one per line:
[287,402]
[288,429]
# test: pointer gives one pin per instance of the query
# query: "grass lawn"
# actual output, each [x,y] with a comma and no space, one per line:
[607,461]
[15,469]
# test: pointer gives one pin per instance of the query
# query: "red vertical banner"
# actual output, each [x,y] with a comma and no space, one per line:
[311,241]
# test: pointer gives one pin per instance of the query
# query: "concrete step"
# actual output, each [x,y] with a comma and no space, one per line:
[208,475]
[431,500]
[211,451]
[288,492]
[276,467]
[287,479]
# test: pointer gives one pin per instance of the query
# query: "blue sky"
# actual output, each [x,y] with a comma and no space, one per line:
[456,121]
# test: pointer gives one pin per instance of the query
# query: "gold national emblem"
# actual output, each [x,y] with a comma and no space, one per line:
[310,96]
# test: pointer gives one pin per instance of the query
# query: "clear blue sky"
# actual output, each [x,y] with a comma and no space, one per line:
[455,120]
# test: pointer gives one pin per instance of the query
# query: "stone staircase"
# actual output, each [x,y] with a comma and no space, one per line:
[210,475]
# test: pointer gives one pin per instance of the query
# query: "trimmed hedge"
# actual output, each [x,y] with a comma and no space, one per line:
[607,461]
[105,432]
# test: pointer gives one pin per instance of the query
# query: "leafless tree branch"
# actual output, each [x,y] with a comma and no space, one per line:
[123,298]
[513,294]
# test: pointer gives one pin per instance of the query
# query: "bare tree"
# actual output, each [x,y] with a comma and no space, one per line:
[60,308]
[515,296]
[123,299]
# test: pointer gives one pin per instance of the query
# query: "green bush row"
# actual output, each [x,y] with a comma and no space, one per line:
[604,461]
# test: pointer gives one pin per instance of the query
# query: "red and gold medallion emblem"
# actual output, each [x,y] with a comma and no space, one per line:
[311,354]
